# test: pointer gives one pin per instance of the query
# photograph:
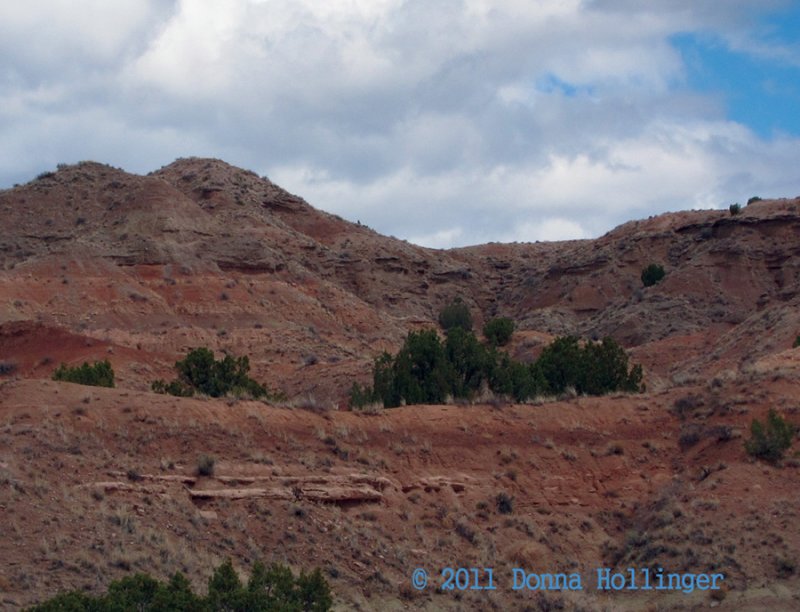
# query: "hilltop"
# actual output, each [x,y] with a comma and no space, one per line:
[98,263]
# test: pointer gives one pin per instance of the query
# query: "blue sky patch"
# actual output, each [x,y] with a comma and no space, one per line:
[759,83]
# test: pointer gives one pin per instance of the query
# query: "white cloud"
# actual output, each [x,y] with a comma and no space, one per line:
[548,229]
[447,123]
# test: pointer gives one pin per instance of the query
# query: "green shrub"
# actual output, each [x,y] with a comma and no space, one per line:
[652,274]
[770,440]
[796,342]
[455,314]
[99,374]
[605,369]
[275,588]
[468,363]
[199,372]
[735,209]
[753,199]
[498,331]
[427,371]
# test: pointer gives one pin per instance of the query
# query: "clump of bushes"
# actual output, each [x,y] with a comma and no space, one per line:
[199,372]
[98,374]
[735,209]
[652,274]
[455,314]
[796,342]
[429,371]
[498,331]
[594,368]
[753,199]
[769,441]
[273,588]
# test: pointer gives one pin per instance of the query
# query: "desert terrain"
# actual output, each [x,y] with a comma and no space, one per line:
[97,483]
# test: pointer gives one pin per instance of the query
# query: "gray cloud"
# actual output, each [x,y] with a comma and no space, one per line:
[446,123]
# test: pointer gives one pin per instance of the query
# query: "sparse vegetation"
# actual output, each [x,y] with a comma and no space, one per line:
[273,588]
[498,331]
[652,274]
[796,342]
[98,374]
[770,440]
[735,209]
[753,199]
[199,372]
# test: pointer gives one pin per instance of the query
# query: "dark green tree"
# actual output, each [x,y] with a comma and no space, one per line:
[468,363]
[314,593]
[605,368]
[498,331]
[561,363]
[422,373]
[225,590]
[516,379]
[652,274]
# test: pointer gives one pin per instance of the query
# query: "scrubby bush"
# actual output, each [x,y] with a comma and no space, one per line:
[498,331]
[735,209]
[796,342]
[455,314]
[7,367]
[98,374]
[753,199]
[505,503]
[769,441]
[652,274]
[205,465]
[273,588]
[199,372]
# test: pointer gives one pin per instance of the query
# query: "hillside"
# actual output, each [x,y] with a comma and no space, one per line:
[98,263]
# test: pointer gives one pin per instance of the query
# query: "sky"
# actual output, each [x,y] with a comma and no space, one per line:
[442,122]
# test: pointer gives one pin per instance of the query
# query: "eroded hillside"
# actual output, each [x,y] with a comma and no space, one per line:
[97,263]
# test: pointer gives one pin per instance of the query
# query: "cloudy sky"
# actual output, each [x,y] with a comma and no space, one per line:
[444,122]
